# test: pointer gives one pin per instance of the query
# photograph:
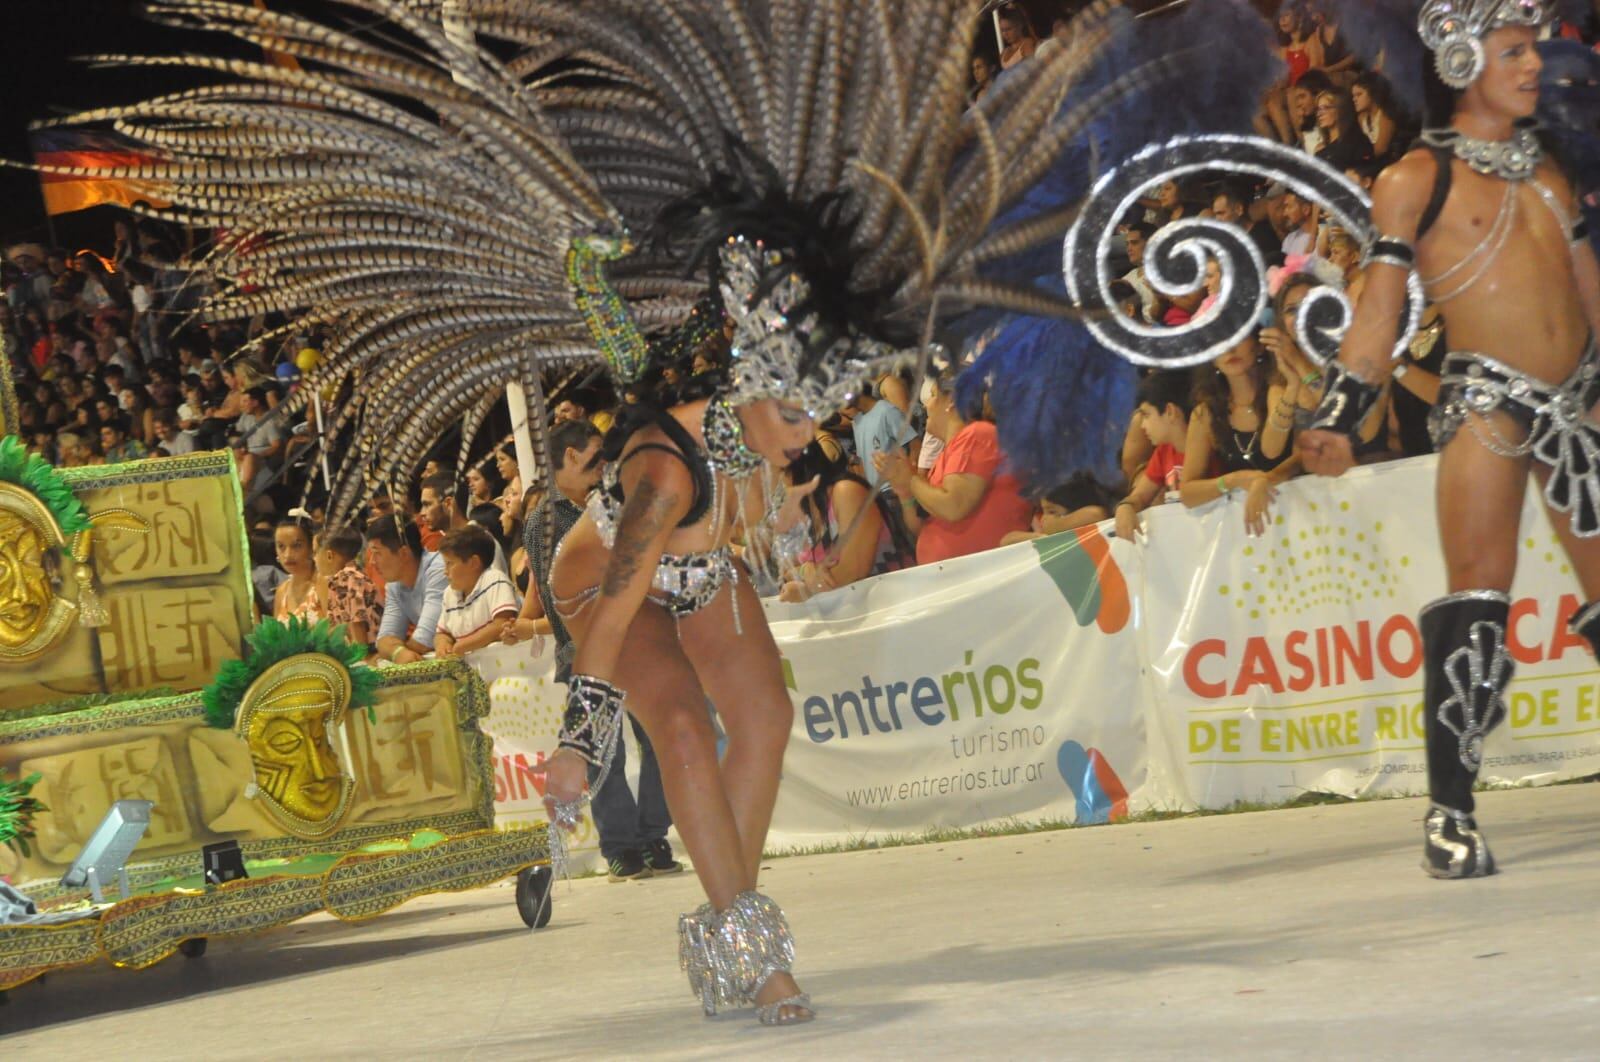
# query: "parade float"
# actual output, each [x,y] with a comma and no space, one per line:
[173,772]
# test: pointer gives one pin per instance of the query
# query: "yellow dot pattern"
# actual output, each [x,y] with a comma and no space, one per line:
[1326,565]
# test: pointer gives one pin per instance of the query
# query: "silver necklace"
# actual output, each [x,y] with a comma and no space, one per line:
[1514,159]
[1249,447]
[724,435]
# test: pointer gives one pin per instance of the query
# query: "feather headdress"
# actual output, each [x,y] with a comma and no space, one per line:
[458,222]
[1062,399]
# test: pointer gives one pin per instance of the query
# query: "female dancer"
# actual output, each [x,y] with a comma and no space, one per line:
[651,566]
[843,207]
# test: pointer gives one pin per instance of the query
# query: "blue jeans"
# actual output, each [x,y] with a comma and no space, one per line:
[625,824]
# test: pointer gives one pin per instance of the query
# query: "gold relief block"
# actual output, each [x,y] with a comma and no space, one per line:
[79,787]
[167,637]
[194,530]
[412,758]
[70,669]
[412,769]
[179,594]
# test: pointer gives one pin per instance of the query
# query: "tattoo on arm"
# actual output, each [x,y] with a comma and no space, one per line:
[643,516]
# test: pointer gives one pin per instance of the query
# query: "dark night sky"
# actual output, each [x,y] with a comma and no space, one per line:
[37,79]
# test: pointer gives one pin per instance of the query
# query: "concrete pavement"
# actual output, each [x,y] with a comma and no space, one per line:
[1297,933]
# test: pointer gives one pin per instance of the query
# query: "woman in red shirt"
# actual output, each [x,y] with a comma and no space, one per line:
[968,503]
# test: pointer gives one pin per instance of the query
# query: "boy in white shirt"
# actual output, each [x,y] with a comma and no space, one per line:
[479,599]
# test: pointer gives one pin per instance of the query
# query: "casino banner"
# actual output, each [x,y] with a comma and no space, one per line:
[1292,662]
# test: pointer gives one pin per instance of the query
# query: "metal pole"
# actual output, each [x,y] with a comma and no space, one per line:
[522,433]
[322,445]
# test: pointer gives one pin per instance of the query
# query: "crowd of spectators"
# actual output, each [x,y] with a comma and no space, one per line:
[110,366]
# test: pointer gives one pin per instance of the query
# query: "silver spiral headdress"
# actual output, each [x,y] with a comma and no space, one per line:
[1454,30]
[1175,257]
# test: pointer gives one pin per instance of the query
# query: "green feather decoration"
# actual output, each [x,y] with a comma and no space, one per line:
[274,640]
[17,810]
[33,474]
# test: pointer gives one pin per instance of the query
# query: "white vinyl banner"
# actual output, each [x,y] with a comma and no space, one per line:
[1292,662]
[526,704]
[995,686]
[1080,677]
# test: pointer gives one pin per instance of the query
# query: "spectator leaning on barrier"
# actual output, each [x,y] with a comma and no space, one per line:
[969,502]
[414,586]
[479,598]
[1231,444]
[1165,400]
[1080,501]
[843,502]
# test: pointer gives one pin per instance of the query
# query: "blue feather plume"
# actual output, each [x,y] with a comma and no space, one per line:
[1061,400]
[1569,119]
[1215,63]
[1386,31]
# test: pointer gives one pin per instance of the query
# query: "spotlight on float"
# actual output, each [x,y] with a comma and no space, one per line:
[106,854]
[223,862]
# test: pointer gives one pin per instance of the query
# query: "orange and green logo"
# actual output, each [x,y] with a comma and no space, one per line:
[1079,562]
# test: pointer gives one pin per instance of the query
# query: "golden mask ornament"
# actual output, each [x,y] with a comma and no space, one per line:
[33,618]
[290,719]
[33,615]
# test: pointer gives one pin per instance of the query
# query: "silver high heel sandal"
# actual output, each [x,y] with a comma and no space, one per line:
[729,955]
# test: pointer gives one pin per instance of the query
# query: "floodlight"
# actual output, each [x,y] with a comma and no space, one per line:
[107,851]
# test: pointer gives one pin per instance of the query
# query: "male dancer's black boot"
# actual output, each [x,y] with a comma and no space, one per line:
[1464,653]
[1586,624]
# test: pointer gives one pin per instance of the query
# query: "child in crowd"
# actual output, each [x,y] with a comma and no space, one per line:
[1080,501]
[353,598]
[1165,401]
[480,599]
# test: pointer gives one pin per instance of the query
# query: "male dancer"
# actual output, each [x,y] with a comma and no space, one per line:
[1493,227]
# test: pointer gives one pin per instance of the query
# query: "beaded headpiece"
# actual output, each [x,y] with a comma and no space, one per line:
[771,340]
[1454,30]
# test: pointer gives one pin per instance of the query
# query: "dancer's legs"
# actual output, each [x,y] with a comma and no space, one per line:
[743,676]
[1480,508]
[665,697]
[1466,664]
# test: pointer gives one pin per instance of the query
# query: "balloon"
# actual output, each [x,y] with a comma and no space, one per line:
[307,359]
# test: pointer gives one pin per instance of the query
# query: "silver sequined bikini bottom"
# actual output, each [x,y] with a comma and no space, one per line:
[1554,417]
[683,584]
